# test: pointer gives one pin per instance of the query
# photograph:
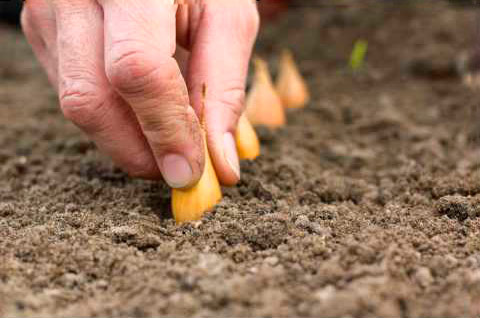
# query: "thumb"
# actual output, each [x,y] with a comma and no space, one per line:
[220,52]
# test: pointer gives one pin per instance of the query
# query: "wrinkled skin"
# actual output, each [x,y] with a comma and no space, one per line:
[129,73]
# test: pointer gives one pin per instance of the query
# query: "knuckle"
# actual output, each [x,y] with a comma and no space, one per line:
[82,104]
[130,71]
[137,73]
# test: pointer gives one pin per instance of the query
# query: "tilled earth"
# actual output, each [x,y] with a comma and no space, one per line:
[366,204]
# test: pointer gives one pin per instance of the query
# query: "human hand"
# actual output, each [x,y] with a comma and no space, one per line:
[113,64]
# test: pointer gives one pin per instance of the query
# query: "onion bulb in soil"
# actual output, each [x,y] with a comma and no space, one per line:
[291,86]
[248,145]
[263,105]
[190,204]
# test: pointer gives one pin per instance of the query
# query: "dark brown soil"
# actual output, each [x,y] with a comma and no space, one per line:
[367,204]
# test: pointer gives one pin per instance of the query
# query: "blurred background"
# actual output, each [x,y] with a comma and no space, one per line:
[10,11]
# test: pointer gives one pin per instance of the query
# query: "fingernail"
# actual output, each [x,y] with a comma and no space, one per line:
[230,153]
[176,171]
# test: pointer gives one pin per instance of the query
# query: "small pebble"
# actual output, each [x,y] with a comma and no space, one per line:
[272,260]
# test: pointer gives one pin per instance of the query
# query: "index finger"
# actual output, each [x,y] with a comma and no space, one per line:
[140,41]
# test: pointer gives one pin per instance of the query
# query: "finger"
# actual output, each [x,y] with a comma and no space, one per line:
[86,96]
[219,57]
[39,27]
[139,45]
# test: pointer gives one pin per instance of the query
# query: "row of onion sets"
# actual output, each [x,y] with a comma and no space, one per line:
[266,104]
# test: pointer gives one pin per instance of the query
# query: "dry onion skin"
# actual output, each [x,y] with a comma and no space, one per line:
[291,86]
[248,145]
[190,204]
[263,105]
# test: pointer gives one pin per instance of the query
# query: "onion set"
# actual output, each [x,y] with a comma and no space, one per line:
[264,106]
[248,145]
[291,86]
[190,204]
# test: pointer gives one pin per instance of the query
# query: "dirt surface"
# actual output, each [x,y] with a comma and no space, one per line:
[367,204]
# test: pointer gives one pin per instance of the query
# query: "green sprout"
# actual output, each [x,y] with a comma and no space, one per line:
[357,57]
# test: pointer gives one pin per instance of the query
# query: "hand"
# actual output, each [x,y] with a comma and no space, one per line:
[118,78]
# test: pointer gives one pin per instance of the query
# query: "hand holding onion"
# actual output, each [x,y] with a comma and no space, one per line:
[118,70]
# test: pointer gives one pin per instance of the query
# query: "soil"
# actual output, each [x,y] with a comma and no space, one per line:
[366,204]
